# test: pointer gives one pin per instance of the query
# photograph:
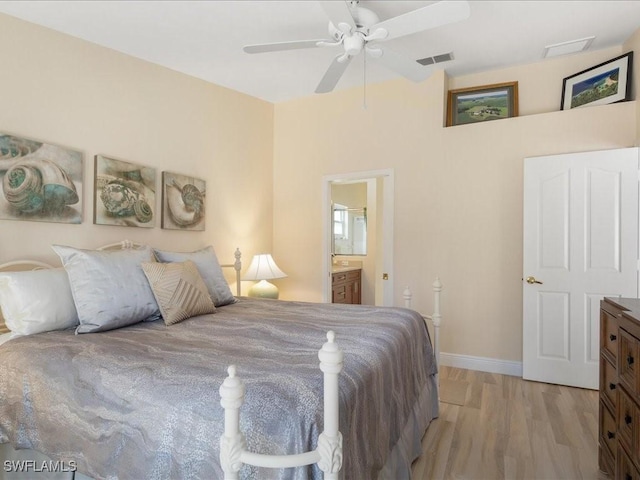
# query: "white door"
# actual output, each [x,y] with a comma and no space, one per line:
[580,244]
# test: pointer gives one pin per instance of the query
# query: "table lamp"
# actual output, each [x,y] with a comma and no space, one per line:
[263,268]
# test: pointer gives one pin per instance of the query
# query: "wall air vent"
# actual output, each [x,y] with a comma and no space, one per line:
[444,57]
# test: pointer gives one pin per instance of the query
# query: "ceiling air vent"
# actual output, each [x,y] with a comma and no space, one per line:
[445,57]
[566,48]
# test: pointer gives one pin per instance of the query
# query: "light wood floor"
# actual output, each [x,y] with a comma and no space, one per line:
[502,427]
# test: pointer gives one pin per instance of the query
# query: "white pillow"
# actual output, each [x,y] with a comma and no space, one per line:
[109,288]
[37,301]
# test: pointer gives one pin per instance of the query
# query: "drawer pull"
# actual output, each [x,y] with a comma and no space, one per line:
[630,360]
[612,337]
[627,419]
[612,386]
[610,435]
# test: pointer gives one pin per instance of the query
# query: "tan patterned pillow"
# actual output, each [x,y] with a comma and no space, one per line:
[179,290]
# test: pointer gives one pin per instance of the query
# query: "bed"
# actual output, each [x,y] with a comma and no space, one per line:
[143,400]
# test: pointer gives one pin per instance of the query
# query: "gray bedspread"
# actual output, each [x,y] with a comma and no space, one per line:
[142,401]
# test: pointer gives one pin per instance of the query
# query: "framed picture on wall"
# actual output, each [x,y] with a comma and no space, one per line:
[482,104]
[608,82]
[125,193]
[183,202]
[39,181]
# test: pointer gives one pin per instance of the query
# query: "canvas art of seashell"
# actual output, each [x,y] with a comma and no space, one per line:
[40,181]
[43,182]
[183,202]
[124,193]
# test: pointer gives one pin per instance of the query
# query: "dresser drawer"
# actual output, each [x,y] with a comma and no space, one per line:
[608,430]
[339,294]
[627,420]
[626,470]
[608,382]
[339,278]
[609,334]
[628,361]
[606,462]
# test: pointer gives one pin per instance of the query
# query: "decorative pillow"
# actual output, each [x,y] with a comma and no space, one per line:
[37,301]
[209,269]
[109,288]
[179,290]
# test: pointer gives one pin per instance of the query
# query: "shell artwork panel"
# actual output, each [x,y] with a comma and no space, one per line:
[39,181]
[183,202]
[125,193]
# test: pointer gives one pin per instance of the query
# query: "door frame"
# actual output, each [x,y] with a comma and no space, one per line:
[384,253]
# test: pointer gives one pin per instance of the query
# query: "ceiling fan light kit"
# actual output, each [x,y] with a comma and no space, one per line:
[357,29]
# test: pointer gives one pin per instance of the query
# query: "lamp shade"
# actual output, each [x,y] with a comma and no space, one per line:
[263,268]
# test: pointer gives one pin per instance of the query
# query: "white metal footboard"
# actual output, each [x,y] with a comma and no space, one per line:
[328,454]
[435,318]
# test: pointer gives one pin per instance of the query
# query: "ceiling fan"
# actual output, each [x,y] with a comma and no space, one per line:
[355,29]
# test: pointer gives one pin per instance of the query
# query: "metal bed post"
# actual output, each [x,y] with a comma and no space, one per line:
[328,454]
[436,317]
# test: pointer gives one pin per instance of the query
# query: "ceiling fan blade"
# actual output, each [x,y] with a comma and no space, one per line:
[406,67]
[338,12]
[275,47]
[425,18]
[333,74]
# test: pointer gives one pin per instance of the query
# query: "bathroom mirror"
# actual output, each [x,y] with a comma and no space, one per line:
[349,219]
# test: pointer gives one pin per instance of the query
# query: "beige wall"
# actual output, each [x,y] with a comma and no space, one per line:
[458,190]
[353,195]
[69,92]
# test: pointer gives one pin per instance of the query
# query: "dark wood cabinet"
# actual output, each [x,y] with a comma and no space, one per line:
[619,422]
[346,287]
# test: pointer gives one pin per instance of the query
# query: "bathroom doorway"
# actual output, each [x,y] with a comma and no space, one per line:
[373,221]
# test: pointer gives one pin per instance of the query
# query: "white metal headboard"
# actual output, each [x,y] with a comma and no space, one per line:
[237,265]
[122,245]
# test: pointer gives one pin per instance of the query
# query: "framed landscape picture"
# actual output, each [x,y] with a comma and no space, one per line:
[39,181]
[125,193]
[608,82]
[481,104]
[183,202]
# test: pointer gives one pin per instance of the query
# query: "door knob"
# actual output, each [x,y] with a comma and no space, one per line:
[532,280]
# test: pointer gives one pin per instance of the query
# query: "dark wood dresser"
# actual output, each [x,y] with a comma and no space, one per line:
[346,286]
[619,419]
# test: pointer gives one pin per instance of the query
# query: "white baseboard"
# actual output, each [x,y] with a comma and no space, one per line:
[482,364]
